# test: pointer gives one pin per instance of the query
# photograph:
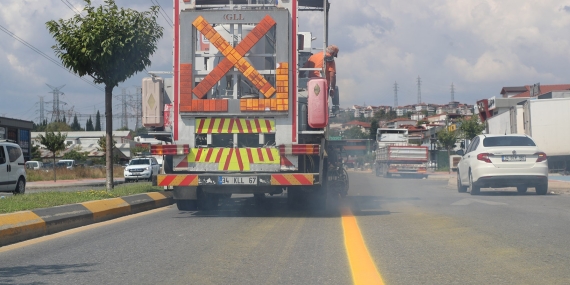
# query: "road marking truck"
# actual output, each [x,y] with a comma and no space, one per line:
[239,119]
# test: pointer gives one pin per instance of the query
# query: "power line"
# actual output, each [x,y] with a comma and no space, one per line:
[2,28]
[70,6]
[162,13]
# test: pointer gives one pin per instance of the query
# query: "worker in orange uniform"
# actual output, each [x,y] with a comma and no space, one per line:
[316,61]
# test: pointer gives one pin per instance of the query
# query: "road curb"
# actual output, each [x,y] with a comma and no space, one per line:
[24,225]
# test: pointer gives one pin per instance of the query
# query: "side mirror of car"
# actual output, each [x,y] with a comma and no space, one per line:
[462,145]
[460,152]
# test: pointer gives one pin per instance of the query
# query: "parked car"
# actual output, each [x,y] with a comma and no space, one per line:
[66,163]
[141,168]
[502,161]
[34,165]
[12,168]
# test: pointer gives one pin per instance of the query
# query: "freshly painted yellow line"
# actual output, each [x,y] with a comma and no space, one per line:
[362,266]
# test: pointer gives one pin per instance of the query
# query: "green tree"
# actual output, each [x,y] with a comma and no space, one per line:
[36,153]
[141,131]
[75,126]
[354,133]
[89,125]
[471,127]
[57,127]
[76,154]
[373,129]
[140,149]
[98,122]
[102,142]
[110,44]
[54,143]
[447,140]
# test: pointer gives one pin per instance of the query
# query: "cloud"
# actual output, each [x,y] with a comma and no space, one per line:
[479,45]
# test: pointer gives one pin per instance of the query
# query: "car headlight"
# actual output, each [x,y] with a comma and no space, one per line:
[147,168]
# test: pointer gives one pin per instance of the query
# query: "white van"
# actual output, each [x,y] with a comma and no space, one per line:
[34,165]
[12,168]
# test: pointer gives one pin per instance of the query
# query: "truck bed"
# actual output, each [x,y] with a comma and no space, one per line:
[402,154]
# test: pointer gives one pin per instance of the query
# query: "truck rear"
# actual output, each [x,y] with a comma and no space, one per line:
[394,155]
[242,121]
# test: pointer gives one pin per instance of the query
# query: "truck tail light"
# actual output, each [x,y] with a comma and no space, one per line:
[541,156]
[484,157]
[169,149]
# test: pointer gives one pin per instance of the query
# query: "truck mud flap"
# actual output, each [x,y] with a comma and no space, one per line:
[289,179]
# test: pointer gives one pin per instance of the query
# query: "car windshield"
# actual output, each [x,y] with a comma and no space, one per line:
[508,141]
[139,162]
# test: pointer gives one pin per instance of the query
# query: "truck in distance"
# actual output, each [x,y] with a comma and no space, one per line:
[395,155]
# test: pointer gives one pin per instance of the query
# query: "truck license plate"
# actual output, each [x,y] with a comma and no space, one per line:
[241,180]
[508,158]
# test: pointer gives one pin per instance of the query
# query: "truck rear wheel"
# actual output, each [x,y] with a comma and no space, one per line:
[186,205]
[206,201]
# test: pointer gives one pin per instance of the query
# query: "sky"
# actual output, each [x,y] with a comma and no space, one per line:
[479,46]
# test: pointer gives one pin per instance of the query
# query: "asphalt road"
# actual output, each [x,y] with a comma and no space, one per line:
[416,232]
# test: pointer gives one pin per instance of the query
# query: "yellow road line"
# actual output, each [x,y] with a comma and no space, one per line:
[362,266]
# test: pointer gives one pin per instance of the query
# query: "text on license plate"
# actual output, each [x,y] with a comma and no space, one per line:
[514,158]
[244,180]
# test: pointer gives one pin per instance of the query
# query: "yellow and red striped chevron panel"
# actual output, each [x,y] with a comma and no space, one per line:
[291,179]
[177,180]
[234,126]
[236,159]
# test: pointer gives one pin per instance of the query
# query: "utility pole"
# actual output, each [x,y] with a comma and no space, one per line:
[395,94]
[124,120]
[138,107]
[419,90]
[57,112]
[124,114]
[452,92]
[42,117]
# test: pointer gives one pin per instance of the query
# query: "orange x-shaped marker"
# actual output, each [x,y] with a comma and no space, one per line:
[234,57]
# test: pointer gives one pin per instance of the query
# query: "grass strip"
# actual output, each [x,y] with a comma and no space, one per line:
[33,201]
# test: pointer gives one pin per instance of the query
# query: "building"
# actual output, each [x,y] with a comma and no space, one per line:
[364,126]
[88,142]
[399,122]
[19,131]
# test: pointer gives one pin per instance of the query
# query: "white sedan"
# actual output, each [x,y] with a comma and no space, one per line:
[502,161]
